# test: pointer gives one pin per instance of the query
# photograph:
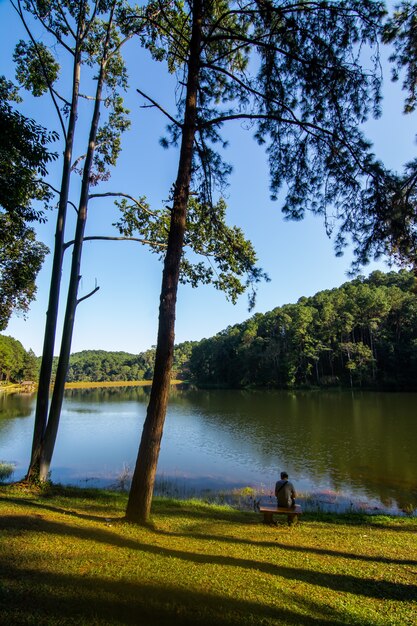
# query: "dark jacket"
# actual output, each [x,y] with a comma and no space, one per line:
[285,493]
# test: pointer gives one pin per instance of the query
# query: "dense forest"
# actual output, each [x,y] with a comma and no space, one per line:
[100,365]
[362,334]
[16,364]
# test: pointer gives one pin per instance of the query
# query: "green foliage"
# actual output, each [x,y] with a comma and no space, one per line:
[400,31]
[299,76]
[24,157]
[229,258]
[104,366]
[15,363]
[36,68]
[363,333]
[21,258]
[81,29]
[384,222]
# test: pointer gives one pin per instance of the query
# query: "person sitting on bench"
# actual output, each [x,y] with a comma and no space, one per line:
[285,492]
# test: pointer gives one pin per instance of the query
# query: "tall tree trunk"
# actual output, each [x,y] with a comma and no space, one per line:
[41,414]
[48,443]
[140,496]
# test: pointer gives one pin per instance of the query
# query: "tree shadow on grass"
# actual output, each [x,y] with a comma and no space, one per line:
[41,504]
[30,596]
[359,586]
[288,547]
[164,508]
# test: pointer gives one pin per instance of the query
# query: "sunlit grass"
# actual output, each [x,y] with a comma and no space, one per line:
[115,383]
[68,557]
[12,388]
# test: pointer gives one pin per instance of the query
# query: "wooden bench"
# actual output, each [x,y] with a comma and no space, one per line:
[269,510]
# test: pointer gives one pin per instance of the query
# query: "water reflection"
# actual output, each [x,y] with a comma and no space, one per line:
[15,405]
[109,394]
[360,442]
[356,443]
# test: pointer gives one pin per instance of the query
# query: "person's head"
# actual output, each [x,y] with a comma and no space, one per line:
[284,475]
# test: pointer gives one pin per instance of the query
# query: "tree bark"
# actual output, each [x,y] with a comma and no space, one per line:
[140,496]
[48,443]
[41,414]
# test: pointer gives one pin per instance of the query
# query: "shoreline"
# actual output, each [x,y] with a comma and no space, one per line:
[26,388]
[243,497]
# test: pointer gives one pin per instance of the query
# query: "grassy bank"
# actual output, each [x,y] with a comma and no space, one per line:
[67,557]
[114,383]
[15,388]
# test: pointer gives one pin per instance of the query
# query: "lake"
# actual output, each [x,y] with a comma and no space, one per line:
[343,446]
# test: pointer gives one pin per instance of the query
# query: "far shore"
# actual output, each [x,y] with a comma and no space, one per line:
[22,388]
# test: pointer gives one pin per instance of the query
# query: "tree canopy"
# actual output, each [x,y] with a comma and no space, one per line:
[24,156]
[16,364]
[384,223]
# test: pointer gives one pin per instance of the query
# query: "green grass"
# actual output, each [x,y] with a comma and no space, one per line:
[115,383]
[68,557]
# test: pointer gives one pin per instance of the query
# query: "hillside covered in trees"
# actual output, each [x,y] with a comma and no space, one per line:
[16,364]
[101,365]
[363,333]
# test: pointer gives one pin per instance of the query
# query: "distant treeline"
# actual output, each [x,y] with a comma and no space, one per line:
[16,364]
[100,365]
[363,333]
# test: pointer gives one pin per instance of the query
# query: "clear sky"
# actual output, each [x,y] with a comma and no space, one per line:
[298,257]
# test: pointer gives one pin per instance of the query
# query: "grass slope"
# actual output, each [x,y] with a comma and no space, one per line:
[67,557]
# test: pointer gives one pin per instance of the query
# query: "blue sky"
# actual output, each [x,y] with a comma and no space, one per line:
[298,257]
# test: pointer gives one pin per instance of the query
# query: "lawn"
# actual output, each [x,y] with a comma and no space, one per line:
[68,557]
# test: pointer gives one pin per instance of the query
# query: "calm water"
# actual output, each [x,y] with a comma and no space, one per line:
[360,445]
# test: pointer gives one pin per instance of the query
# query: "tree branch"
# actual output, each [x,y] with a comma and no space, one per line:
[157,244]
[19,11]
[51,30]
[64,17]
[248,88]
[119,45]
[123,195]
[43,182]
[64,100]
[88,295]
[87,97]
[155,104]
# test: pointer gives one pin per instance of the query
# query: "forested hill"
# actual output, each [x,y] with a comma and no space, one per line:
[100,365]
[363,333]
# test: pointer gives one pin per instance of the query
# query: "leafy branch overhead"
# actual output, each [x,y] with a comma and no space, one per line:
[24,157]
[292,73]
[230,259]
[81,31]
[382,220]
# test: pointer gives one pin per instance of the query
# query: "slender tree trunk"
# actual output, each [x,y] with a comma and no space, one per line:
[48,443]
[140,496]
[45,374]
